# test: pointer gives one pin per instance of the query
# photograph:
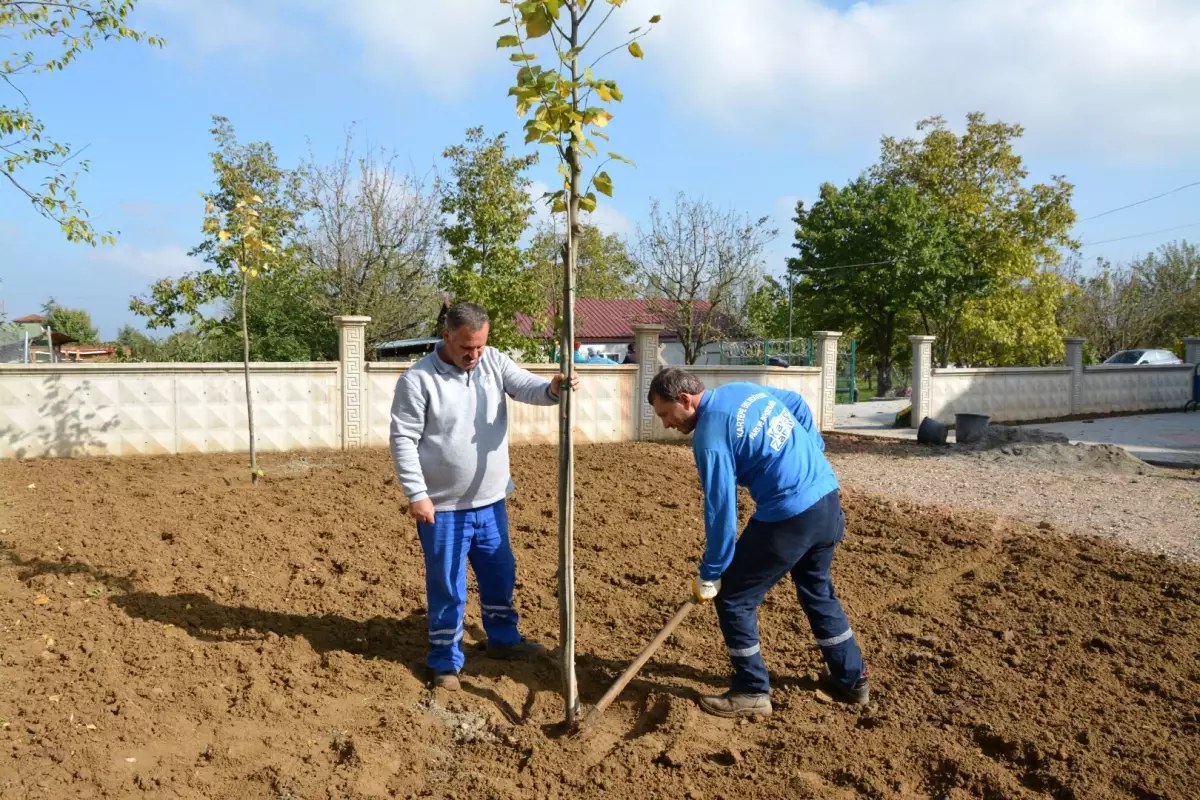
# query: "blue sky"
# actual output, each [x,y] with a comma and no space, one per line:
[751,108]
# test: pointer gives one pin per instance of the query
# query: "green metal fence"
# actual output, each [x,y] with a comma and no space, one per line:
[847,372]
[796,352]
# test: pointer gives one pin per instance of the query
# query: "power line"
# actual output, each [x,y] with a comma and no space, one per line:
[1140,235]
[1138,203]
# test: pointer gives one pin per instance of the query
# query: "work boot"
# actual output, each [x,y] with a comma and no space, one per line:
[735,704]
[860,695]
[448,681]
[524,650]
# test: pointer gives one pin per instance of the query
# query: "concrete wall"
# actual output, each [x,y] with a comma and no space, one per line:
[63,410]
[121,409]
[1108,389]
[1032,393]
[1008,394]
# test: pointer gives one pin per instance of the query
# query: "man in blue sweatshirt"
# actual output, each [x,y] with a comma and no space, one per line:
[763,439]
[449,441]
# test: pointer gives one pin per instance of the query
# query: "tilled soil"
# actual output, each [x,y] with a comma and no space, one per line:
[166,630]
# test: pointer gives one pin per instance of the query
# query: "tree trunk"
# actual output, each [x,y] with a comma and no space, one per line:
[566,424]
[246,371]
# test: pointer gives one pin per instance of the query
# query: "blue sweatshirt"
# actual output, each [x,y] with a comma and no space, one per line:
[763,439]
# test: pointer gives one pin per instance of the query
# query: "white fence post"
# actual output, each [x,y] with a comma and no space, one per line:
[922,379]
[1075,362]
[352,355]
[645,348]
[827,349]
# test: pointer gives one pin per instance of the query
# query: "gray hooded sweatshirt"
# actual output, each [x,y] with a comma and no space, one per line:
[449,432]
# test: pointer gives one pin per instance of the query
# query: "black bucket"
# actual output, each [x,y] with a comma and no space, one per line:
[970,428]
[931,432]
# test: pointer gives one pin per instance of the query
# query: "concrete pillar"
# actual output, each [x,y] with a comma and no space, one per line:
[352,357]
[827,349]
[645,348]
[1191,349]
[922,378]
[1075,362]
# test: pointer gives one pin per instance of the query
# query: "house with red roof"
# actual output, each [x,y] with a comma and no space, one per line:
[605,328]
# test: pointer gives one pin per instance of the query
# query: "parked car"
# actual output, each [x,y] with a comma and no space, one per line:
[1132,357]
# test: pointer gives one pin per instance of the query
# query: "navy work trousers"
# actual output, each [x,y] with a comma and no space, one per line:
[768,551]
[478,535]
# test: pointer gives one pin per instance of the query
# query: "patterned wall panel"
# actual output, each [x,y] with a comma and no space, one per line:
[1111,389]
[1006,395]
[118,409]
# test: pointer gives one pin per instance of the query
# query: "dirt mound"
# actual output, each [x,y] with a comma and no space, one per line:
[1039,449]
[169,631]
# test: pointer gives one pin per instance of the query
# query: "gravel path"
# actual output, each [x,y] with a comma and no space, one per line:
[1157,512]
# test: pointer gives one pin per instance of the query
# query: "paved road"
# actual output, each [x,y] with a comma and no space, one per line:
[869,416]
[1164,438]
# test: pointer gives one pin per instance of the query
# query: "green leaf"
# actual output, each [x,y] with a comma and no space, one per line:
[603,184]
[552,7]
[518,57]
[635,50]
[617,157]
[654,20]
[635,30]
[504,21]
[537,24]
[559,206]
[508,41]
[603,136]
[588,202]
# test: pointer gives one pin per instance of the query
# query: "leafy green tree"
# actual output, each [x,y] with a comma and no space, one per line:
[251,222]
[24,143]
[74,322]
[1002,233]
[559,98]
[604,268]
[488,209]
[868,254]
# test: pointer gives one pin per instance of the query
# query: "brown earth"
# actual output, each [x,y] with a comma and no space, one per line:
[168,631]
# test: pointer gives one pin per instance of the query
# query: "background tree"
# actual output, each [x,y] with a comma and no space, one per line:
[868,253]
[604,268]
[700,266]
[251,223]
[371,246]
[488,210]
[74,322]
[559,99]
[1001,232]
[24,143]
[1154,301]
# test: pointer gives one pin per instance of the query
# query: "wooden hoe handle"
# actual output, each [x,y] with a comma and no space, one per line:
[640,661]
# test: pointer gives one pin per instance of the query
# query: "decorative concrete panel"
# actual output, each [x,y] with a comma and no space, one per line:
[1006,395]
[143,409]
[1112,388]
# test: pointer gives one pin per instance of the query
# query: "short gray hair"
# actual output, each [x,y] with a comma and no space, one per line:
[672,382]
[466,315]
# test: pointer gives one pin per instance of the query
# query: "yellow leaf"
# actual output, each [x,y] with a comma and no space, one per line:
[605,95]
[635,50]
[601,119]
[210,207]
[41,600]
[256,199]
[223,236]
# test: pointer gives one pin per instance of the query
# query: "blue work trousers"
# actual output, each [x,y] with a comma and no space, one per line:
[479,535]
[767,552]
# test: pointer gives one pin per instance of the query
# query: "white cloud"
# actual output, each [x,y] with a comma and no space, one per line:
[1114,76]
[1087,74]
[153,263]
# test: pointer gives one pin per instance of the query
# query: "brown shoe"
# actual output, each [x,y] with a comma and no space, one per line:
[732,704]
[448,681]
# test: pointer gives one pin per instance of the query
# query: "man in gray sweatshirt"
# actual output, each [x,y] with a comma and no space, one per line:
[449,441]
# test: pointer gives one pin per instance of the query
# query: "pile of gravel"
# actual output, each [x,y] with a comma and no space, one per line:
[1045,450]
